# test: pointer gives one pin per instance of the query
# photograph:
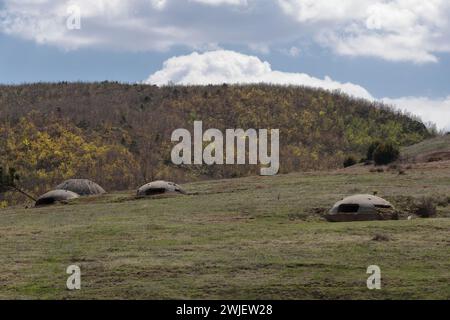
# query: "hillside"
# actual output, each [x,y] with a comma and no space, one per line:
[246,238]
[434,149]
[119,135]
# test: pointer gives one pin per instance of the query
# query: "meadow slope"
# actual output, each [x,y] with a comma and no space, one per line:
[246,238]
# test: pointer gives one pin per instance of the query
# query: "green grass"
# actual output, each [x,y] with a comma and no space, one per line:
[250,238]
[441,143]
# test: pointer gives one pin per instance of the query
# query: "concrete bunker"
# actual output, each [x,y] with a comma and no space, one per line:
[361,207]
[54,196]
[82,187]
[159,187]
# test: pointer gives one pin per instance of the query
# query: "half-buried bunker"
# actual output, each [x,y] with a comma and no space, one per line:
[55,196]
[361,207]
[159,187]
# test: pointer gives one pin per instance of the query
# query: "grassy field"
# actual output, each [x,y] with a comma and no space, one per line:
[250,238]
[440,144]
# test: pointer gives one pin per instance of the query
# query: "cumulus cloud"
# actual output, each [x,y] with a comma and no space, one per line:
[397,30]
[222,66]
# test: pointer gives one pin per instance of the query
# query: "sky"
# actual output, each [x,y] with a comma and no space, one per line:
[395,51]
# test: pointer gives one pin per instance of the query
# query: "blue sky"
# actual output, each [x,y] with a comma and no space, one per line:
[396,51]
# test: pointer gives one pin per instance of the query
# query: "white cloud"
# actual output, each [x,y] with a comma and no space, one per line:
[390,47]
[222,66]
[436,111]
[396,30]
[324,10]
[132,25]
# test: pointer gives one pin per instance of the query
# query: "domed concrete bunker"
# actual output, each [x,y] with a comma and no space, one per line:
[54,196]
[159,187]
[362,207]
[82,187]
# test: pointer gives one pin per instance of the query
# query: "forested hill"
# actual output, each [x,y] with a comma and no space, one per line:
[119,134]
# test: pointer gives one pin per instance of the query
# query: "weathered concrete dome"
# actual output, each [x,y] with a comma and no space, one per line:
[55,196]
[159,187]
[361,207]
[83,187]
